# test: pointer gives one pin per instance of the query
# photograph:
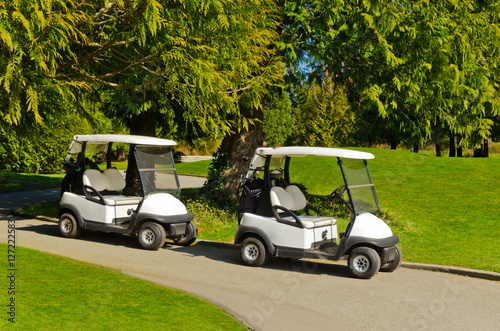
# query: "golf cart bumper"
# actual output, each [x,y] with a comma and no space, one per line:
[386,247]
[175,225]
[388,254]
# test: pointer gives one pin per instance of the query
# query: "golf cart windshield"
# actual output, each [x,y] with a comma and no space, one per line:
[361,190]
[157,169]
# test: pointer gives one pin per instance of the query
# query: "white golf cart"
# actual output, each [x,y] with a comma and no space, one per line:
[271,223]
[94,197]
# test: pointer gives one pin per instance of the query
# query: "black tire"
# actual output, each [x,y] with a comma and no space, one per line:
[393,265]
[253,252]
[151,236]
[189,237]
[364,262]
[68,226]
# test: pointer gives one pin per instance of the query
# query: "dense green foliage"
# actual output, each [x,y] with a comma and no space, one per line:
[278,120]
[199,61]
[38,148]
[409,71]
[323,116]
[57,293]
[408,67]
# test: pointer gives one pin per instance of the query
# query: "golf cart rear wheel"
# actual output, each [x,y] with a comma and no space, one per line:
[364,262]
[393,265]
[68,226]
[189,237]
[253,252]
[151,236]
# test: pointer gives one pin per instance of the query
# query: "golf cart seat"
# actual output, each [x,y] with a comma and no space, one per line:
[291,200]
[110,180]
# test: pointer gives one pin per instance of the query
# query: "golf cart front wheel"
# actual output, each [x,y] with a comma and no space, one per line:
[189,237]
[151,236]
[68,226]
[364,262]
[253,252]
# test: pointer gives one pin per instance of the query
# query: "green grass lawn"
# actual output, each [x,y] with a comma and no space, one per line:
[13,182]
[56,293]
[199,168]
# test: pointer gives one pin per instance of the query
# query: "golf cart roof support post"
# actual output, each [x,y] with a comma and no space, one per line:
[176,175]
[373,187]
[353,210]
[132,147]
[267,178]
[108,155]
[287,169]
[84,165]
[351,207]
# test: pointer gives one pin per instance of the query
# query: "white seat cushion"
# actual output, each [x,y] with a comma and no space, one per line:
[110,180]
[293,199]
[298,197]
[121,200]
[317,221]
[116,182]
[280,197]
[94,178]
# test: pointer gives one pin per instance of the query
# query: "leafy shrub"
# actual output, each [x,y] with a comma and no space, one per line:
[215,187]
[215,220]
[38,148]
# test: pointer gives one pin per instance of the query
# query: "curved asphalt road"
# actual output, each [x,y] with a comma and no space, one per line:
[283,294]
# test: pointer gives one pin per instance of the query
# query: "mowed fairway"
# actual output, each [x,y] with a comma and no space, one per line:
[445,210]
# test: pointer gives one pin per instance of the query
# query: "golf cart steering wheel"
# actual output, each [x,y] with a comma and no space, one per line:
[98,157]
[337,194]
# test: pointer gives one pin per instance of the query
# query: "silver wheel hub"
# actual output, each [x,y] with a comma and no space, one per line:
[148,236]
[251,252]
[66,225]
[361,263]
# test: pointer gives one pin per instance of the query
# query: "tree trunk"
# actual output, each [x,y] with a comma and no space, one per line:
[482,151]
[459,149]
[415,146]
[438,149]
[143,124]
[486,149]
[394,143]
[453,150]
[240,144]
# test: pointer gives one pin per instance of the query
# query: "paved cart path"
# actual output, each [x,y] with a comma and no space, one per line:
[284,294]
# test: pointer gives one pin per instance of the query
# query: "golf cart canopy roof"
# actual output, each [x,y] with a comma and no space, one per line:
[124,138]
[78,140]
[299,151]
[259,159]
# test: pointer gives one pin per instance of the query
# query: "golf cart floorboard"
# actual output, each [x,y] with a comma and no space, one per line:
[325,252]
[123,228]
